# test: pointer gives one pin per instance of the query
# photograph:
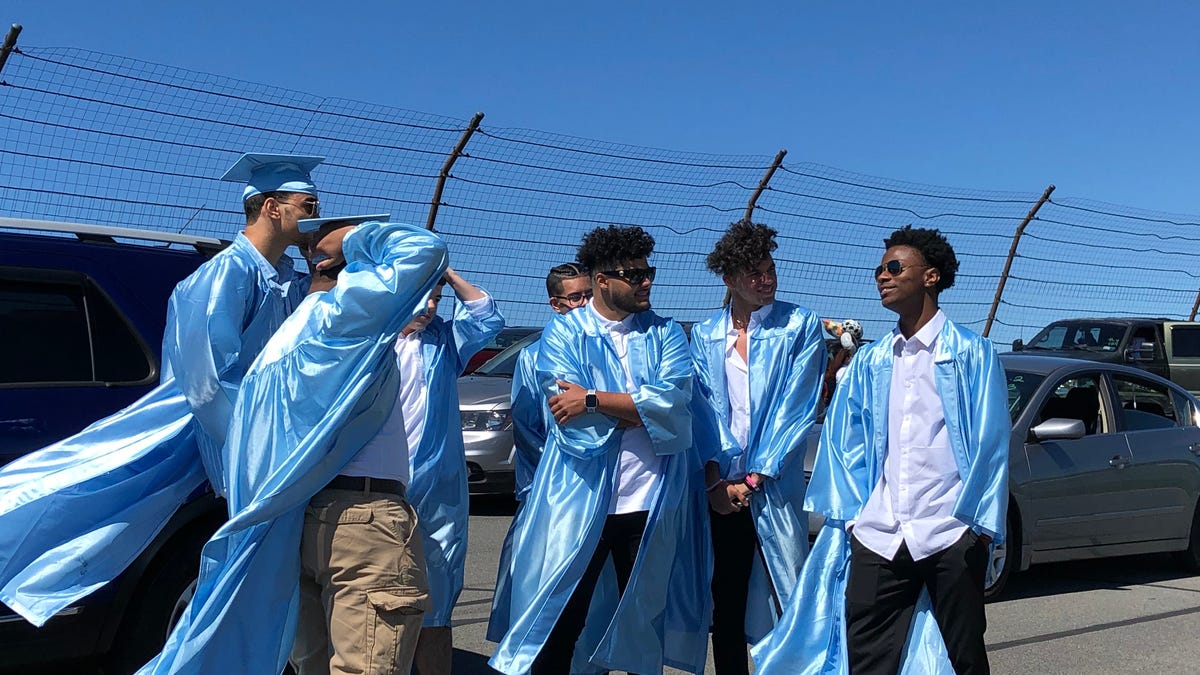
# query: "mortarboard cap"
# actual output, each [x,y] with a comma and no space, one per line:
[314,224]
[263,172]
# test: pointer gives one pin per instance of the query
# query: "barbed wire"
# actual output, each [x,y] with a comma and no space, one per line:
[100,138]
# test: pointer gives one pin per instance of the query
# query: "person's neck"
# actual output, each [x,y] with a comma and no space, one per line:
[740,311]
[915,319]
[605,310]
[267,239]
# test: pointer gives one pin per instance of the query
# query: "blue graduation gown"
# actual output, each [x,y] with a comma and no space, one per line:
[438,490]
[662,616]
[811,636]
[76,513]
[531,418]
[786,363]
[319,391]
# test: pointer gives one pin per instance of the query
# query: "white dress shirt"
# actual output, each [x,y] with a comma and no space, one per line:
[737,384]
[388,455]
[638,468]
[914,501]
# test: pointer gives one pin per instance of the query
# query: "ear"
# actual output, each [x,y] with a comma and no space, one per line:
[730,281]
[932,276]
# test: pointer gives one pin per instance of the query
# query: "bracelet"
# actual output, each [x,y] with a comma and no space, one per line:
[716,484]
[754,485]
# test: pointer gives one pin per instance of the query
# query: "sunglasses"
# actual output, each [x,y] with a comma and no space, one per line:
[633,277]
[311,207]
[894,268]
[574,298]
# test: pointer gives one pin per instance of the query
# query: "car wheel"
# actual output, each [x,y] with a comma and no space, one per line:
[157,605]
[1004,558]
[1190,556]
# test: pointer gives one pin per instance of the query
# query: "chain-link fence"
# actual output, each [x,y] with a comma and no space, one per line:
[94,138]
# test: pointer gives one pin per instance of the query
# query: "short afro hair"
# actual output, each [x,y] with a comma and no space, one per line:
[933,247]
[743,246]
[605,248]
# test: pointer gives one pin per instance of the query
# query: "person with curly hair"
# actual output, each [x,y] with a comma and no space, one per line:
[911,475]
[618,484]
[757,386]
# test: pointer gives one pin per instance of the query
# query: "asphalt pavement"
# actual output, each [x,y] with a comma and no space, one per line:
[1137,614]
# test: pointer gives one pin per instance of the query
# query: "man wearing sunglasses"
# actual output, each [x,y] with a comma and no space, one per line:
[569,287]
[758,368]
[117,483]
[912,477]
[618,481]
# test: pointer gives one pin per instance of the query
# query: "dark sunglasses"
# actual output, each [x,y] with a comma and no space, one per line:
[894,268]
[633,277]
[311,207]
[575,298]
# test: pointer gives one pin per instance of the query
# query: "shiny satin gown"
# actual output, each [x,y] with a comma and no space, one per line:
[811,636]
[320,390]
[76,513]
[663,615]
[786,363]
[438,490]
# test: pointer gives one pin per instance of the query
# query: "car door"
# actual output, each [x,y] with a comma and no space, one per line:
[1164,477]
[1182,340]
[1074,485]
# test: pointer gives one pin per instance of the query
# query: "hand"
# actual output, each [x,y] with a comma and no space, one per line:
[718,499]
[569,404]
[739,495]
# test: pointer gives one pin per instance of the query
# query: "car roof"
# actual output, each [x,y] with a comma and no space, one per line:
[1039,364]
[1110,319]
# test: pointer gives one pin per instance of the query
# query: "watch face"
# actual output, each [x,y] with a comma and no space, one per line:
[591,401]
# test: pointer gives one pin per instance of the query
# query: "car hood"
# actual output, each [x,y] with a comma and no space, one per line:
[484,393]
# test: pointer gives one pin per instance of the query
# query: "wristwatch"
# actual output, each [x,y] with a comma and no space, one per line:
[591,401]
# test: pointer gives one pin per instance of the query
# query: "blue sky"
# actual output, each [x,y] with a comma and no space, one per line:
[1099,98]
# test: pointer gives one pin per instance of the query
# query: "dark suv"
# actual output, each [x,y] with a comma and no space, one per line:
[83,309]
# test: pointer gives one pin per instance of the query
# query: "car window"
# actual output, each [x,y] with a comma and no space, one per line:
[1144,404]
[1185,341]
[1021,387]
[1077,398]
[1185,409]
[65,331]
[505,363]
[1084,335]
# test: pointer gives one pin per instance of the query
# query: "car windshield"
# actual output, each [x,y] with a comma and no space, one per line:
[1021,387]
[504,363]
[1085,335]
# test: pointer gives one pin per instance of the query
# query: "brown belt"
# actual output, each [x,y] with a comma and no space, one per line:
[366,484]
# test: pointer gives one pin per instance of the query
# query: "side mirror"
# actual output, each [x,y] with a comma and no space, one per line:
[1058,429]
[1139,354]
[1018,345]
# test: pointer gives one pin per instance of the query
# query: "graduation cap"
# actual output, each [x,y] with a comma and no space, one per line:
[314,224]
[262,172]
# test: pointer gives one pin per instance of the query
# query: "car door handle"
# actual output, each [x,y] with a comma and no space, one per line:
[1195,448]
[1118,462]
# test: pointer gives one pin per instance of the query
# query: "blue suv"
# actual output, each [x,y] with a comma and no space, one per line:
[83,310]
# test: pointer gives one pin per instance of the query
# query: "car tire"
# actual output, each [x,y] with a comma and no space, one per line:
[157,604]
[1190,556]
[1003,559]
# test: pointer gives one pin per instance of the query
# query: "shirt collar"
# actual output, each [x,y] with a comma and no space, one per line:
[282,272]
[623,326]
[925,336]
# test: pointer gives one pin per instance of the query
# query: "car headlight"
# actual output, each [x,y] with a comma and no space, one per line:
[486,420]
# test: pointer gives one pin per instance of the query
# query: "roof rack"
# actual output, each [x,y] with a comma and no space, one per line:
[108,234]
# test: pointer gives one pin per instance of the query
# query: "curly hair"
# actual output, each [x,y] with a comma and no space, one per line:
[934,248]
[607,247]
[743,246]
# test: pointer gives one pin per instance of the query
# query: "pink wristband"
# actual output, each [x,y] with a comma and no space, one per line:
[754,485]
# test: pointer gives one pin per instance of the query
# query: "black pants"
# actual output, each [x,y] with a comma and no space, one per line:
[734,543]
[621,538]
[881,595]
